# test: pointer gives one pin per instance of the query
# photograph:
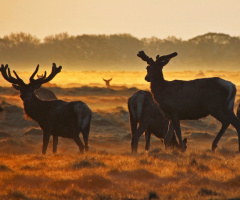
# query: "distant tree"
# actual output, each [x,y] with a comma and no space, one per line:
[56,38]
[17,39]
[118,51]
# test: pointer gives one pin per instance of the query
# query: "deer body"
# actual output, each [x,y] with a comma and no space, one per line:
[146,116]
[55,117]
[194,99]
[58,117]
[180,100]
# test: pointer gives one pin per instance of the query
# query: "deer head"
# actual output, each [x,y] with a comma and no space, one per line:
[155,67]
[107,82]
[27,90]
[40,76]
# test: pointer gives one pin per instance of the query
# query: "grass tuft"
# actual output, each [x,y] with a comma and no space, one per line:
[4,168]
[87,163]
[207,192]
[104,197]
[16,195]
[29,167]
[152,195]
[233,182]
[144,161]
[203,168]
[113,172]
[193,163]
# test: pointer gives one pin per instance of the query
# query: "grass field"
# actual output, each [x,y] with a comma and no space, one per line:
[109,171]
[159,174]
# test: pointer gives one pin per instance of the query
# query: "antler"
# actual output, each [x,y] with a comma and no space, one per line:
[44,79]
[166,57]
[8,77]
[159,59]
[34,73]
[144,57]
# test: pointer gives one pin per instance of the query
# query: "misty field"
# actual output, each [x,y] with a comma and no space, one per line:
[109,170]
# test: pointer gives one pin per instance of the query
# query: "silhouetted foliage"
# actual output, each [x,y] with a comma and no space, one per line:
[118,52]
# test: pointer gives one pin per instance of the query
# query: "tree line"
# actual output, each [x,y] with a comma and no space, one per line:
[211,51]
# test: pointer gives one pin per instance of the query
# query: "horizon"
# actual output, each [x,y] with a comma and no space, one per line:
[72,79]
[69,35]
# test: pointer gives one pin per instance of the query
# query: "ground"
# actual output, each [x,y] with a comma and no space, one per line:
[109,170]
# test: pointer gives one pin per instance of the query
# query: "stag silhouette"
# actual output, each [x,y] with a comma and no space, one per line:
[181,100]
[107,82]
[55,117]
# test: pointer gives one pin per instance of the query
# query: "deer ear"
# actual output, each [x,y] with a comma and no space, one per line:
[17,87]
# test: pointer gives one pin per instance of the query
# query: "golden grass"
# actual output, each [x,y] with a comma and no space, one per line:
[97,175]
[108,172]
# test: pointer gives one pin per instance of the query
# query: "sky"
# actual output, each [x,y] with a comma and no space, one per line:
[141,18]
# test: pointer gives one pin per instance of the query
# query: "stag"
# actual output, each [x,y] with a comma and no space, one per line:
[146,116]
[182,100]
[55,117]
[107,82]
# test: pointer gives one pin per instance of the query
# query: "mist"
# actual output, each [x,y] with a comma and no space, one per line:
[211,51]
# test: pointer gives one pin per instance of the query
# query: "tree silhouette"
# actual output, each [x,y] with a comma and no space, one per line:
[118,51]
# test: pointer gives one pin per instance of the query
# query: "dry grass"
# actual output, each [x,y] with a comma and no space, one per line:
[97,175]
[109,171]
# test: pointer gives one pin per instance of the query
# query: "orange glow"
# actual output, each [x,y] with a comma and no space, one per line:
[121,78]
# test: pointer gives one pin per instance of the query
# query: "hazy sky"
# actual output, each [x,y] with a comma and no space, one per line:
[141,18]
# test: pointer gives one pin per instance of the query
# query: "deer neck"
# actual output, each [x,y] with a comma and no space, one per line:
[35,108]
[158,83]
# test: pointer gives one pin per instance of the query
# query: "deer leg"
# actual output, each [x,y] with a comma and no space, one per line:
[135,137]
[225,123]
[219,135]
[55,142]
[46,136]
[235,122]
[85,133]
[168,136]
[78,141]
[147,139]
[176,124]
[133,123]
[174,142]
